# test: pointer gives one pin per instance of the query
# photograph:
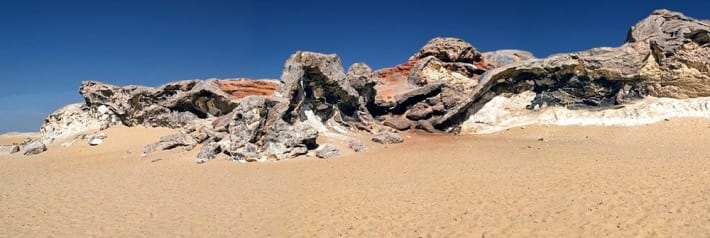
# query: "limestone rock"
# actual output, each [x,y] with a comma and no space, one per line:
[361,77]
[662,57]
[208,152]
[500,58]
[96,139]
[316,82]
[35,147]
[165,106]
[357,145]
[449,50]
[258,131]
[327,151]
[9,149]
[74,119]
[172,141]
[387,138]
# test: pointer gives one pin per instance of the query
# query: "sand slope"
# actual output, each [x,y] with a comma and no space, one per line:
[592,181]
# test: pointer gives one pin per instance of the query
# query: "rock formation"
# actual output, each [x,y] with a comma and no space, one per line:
[447,86]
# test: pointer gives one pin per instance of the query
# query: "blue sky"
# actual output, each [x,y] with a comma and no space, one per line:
[48,47]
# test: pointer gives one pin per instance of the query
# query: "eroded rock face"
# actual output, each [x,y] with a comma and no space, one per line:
[442,85]
[74,119]
[442,74]
[664,56]
[316,82]
[240,88]
[166,106]
[258,132]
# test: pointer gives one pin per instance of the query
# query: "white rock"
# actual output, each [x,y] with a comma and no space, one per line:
[502,112]
[72,120]
[96,141]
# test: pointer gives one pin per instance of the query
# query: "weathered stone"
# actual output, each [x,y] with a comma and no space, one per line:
[35,147]
[95,141]
[74,119]
[208,152]
[419,111]
[316,82]
[325,151]
[500,58]
[172,141]
[170,119]
[362,79]
[386,137]
[661,58]
[357,145]
[449,50]
[397,123]
[136,105]
[258,132]
[9,149]
[426,126]
[431,69]
[240,88]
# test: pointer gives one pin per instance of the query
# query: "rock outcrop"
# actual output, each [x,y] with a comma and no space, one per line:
[448,84]
[240,88]
[664,56]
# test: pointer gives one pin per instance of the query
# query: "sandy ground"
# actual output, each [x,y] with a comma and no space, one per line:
[643,181]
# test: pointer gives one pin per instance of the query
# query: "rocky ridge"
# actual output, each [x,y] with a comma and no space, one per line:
[441,88]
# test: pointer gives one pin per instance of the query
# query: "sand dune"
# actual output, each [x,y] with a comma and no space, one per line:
[650,180]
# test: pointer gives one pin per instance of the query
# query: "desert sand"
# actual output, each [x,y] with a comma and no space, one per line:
[551,181]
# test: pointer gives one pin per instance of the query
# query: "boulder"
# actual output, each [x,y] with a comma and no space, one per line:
[397,123]
[96,139]
[172,141]
[449,50]
[208,152]
[325,151]
[386,137]
[9,149]
[357,145]
[361,77]
[35,147]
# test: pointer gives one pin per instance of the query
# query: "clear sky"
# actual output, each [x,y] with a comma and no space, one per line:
[48,47]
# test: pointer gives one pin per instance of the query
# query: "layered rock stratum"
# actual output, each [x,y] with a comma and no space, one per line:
[662,70]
